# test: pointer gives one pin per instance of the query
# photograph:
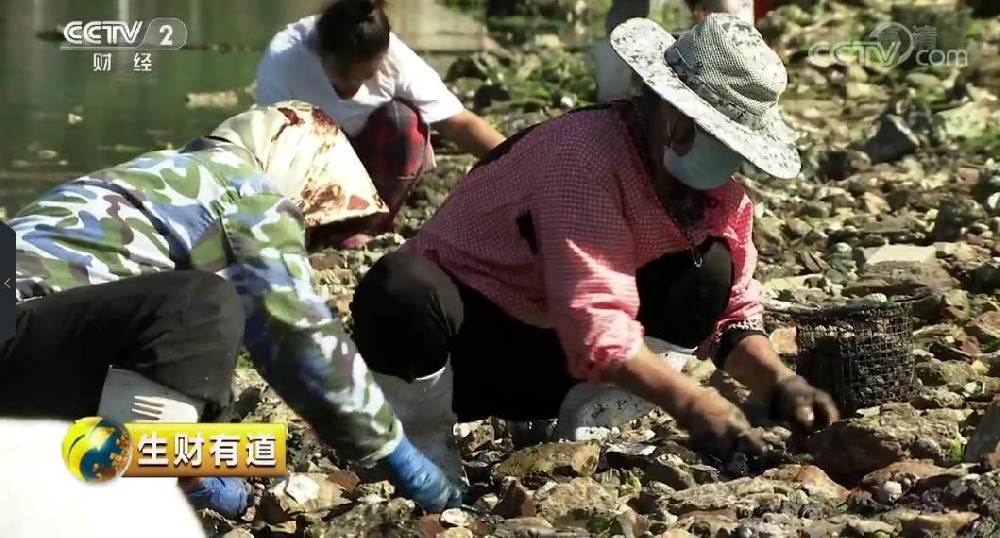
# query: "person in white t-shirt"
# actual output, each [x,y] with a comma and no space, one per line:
[349,63]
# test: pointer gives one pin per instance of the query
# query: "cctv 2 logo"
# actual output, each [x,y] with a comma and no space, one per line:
[161,33]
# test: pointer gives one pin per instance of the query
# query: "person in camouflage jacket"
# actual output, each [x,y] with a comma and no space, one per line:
[121,269]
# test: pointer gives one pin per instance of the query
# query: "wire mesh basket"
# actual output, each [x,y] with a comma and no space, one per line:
[862,353]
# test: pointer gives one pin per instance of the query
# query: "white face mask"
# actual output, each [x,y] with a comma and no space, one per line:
[708,165]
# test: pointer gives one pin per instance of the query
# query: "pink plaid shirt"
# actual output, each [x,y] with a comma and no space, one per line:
[597,220]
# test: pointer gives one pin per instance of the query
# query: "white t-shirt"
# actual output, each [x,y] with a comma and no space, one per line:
[290,69]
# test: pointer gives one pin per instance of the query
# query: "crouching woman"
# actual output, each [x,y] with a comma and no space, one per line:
[555,257]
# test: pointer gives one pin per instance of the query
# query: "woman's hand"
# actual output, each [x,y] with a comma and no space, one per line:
[715,424]
[419,479]
[802,405]
[720,428]
[754,363]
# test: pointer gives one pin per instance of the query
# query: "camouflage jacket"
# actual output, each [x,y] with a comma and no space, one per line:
[213,210]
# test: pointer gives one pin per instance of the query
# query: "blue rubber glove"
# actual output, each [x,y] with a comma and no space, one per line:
[419,479]
[227,495]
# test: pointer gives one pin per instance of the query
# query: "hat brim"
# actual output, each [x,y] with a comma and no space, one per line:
[641,43]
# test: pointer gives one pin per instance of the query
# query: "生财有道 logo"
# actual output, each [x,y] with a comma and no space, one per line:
[890,44]
[98,449]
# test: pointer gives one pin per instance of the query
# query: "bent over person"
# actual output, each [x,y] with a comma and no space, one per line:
[530,293]
[137,285]
[348,62]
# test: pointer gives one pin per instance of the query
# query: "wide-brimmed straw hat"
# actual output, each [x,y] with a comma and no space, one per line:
[722,75]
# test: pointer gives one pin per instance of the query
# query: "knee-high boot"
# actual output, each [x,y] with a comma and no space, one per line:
[588,410]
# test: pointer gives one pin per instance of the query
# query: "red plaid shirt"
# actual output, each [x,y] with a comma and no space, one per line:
[597,220]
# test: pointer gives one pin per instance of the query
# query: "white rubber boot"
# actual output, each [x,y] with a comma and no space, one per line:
[588,411]
[130,397]
[614,76]
[424,408]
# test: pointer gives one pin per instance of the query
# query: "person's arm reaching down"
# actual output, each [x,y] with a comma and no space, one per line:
[420,85]
[301,350]
[470,133]
[742,349]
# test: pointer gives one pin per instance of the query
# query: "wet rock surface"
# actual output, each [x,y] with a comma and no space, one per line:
[899,197]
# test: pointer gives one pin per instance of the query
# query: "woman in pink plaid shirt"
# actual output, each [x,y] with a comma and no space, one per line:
[583,239]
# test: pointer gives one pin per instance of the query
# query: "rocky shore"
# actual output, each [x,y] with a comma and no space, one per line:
[899,198]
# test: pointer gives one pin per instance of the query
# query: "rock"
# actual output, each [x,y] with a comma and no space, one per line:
[676,533]
[674,472]
[238,533]
[789,283]
[716,523]
[902,254]
[944,373]
[854,526]
[456,532]
[889,492]
[814,478]
[905,472]
[954,215]
[937,525]
[345,479]
[456,517]
[430,525]
[573,503]
[299,494]
[629,524]
[985,328]
[985,442]
[222,99]
[900,278]
[516,502]
[786,489]
[551,459]
[937,398]
[892,140]
[852,448]
[487,94]
[840,164]
[967,120]
[816,209]
[389,519]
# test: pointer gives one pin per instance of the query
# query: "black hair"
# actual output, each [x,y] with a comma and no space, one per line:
[353,30]
[692,4]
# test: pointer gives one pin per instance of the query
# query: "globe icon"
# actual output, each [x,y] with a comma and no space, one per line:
[97,449]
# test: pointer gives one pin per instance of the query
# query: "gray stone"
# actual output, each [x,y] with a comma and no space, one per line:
[892,140]
[986,440]
[902,253]
[573,503]
[852,448]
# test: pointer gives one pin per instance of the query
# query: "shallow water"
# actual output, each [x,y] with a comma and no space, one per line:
[61,119]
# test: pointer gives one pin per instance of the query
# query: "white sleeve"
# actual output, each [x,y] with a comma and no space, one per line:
[419,84]
[272,83]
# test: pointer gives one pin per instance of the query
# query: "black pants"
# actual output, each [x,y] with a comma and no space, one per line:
[181,329]
[410,316]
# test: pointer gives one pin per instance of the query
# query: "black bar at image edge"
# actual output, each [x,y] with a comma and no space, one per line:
[8,306]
